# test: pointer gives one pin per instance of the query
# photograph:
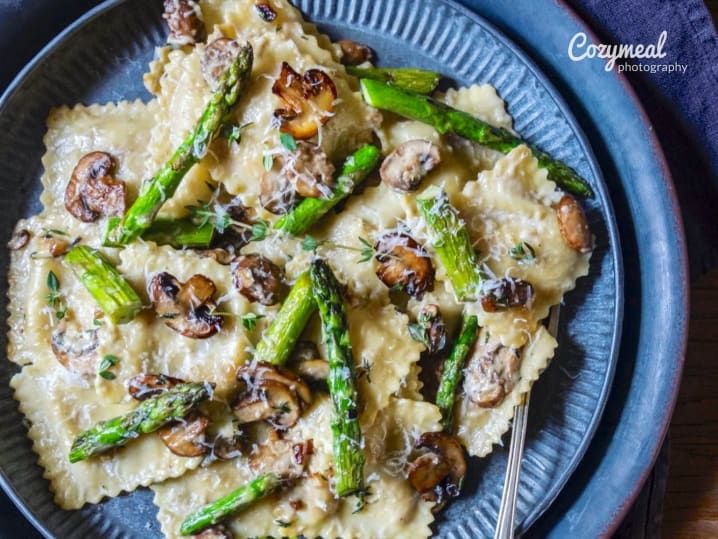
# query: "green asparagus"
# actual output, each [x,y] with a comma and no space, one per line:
[310,210]
[406,78]
[453,367]
[280,337]
[452,243]
[346,434]
[180,233]
[151,415]
[155,192]
[447,119]
[237,500]
[114,295]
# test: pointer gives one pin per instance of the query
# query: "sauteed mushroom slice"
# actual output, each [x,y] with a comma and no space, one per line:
[270,394]
[74,348]
[20,239]
[404,264]
[265,11]
[507,294]
[310,171]
[220,531]
[186,438]
[573,224]
[228,448]
[308,101]
[407,165]
[144,386]
[276,193]
[92,191]
[257,278]
[439,471]
[186,307]
[354,53]
[184,20]
[216,58]
[492,371]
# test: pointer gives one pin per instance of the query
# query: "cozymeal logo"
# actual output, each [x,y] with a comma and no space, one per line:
[579,49]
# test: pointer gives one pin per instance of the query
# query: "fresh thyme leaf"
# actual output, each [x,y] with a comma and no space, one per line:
[55,231]
[97,322]
[365,243]
[106,364]
[60,313]
[259,230]
[53,283]
[107,375]
[523,252]
[249,320]
[282,523]
[288,141]
[283,407]
[309,244]
[367,251]
[267,161]
[417,333]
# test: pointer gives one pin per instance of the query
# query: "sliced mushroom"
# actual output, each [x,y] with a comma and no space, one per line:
[143,386]
[20,239]
[276,193]
[507,294]
[186,438]
[184,19]
[308,100]
[186,307]
[314,369]
[257,278]
[233,237]
[74,348]
[573,224]
[219,531]
[270,394]
[216,59]
[92,191]
[438,472]
[266,12]
[53,245]
[404,264]
[405,167]
[354,53]
[492,371]
[228,448]
[310,171]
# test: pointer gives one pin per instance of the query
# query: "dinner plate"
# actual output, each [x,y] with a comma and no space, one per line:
[83,66]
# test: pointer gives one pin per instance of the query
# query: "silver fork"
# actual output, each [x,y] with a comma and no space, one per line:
[505,524]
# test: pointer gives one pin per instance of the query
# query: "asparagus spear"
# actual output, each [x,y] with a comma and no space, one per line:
[420,81]
[453,367]
[237,500]
[346,434]
[111,291]
[281,336]
[310,210]
[152,414]
[180,233]
[447,119]
[155,192]
[452,243]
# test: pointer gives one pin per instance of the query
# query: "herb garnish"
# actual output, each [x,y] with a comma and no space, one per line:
[53,297]
[523,252]
[106,364]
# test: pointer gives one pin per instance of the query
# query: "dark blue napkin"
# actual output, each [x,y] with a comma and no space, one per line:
[682,106]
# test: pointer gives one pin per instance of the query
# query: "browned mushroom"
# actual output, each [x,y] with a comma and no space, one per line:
[257,278]
[186,307]
[75,348]
[216,58]
[92,191]
[405,167]
[431,322]
[404,264]
[220,531]
[54,246]
[184,19]
[143,386]
[270,394]
[186,438]
[354,53]
[308,100]
[438,472]
[310,171]
[573,224]
[228,448]
[266,12]
[507,294]
[492,371]
[20,239]
[276,193]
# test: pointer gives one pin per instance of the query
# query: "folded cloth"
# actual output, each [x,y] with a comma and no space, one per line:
[681,105]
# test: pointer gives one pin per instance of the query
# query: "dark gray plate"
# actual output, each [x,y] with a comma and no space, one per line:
[84,66]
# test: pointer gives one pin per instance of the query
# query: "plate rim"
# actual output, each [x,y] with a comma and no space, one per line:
[601,187]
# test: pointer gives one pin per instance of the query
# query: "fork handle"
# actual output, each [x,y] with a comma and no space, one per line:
[505,524]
